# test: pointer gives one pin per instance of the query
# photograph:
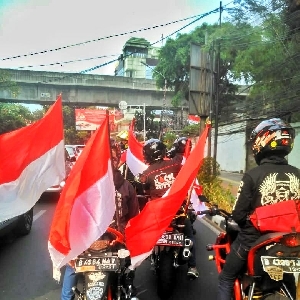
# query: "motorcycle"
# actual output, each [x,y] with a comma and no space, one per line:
[171,251]
[272,262]
[104,269]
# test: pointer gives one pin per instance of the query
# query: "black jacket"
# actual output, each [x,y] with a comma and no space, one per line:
[127,203]
[159,176]
[274,180]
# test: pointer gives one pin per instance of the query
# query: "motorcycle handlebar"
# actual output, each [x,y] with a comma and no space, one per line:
[213,211]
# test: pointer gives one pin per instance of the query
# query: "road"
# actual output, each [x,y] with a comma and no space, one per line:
[27,268]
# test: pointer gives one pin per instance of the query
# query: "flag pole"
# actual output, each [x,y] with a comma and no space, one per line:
[112,166]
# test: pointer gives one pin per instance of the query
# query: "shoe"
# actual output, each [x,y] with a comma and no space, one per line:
[193,272]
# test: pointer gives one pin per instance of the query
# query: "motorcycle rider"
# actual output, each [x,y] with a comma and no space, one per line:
[127,206]
[271,141]
[158,178]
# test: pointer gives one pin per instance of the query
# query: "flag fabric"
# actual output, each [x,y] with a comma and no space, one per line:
[87,204]
[196,203]
[32,160]
[134,158]
[144,230]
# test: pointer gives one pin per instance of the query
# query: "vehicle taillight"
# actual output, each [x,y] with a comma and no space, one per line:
[291,240]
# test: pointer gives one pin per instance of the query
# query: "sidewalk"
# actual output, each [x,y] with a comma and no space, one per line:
[232,182]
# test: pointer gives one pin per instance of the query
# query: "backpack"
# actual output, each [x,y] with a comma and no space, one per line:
[283,216]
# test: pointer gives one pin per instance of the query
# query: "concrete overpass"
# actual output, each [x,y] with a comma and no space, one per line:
[38,87]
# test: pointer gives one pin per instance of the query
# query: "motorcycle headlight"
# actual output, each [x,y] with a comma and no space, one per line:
[100,245]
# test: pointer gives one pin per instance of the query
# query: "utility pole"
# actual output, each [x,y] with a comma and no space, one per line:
[217,97]
[212,80]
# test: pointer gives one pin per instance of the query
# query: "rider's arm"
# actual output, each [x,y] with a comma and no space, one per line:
[133,205]
[244,200]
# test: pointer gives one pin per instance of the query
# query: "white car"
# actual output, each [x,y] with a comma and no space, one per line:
[69,160]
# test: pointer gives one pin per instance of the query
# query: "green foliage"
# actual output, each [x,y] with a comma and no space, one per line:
[13,116]
[212,185]
[191,130]
[169,139]
[152,127]
[8,85]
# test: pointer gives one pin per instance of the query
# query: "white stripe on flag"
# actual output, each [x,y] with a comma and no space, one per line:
[95,210]
[135,165]
[20,195]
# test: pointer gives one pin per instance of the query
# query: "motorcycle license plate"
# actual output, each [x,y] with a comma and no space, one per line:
[107,263]
[276,266]
[171,239]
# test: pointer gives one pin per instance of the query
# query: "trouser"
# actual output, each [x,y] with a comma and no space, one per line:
[188,231]
[70,280]
[235,262]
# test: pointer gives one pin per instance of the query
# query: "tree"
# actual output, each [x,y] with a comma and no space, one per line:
[174,57]
[14,116]
[271,64]
[174,62]
[8,85]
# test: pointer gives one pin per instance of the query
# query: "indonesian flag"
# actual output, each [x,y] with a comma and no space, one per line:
[87,204]
[32,160]
[134,158]
[144,230]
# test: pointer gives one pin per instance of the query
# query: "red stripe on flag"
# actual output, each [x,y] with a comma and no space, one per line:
[144,230]
[135,146]
[91,166]
[25,145]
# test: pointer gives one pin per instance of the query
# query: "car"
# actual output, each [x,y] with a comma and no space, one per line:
[69,160]
[18,226]
[78,149]
[72,152]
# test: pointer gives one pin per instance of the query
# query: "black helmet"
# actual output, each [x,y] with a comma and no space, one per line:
[273,136]
[154,150]
[180,144]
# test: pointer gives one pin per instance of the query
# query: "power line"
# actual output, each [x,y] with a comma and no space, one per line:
[96,40]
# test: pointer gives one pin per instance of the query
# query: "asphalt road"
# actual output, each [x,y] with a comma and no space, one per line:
[26,268]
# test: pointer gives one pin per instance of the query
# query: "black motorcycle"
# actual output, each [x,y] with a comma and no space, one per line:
[171,251]
[104,269]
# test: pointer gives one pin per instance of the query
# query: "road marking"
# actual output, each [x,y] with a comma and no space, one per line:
[39,214]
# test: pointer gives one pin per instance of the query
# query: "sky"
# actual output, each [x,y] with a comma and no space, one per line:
[29,26]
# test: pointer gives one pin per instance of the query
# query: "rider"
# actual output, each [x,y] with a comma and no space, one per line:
[271,141]
[158,178]
[129,208]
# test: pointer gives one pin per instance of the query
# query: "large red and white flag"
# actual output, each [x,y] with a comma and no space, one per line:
[144,230]
[32,160]
[87,204]
[134,157]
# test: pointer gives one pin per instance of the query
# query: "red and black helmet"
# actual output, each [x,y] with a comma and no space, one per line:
[273,136]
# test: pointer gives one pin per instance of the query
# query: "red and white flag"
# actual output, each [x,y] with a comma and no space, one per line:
[87,204]
[32,160]
[144,230]
[134,158]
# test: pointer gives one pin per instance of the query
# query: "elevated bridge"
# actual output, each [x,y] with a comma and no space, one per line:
[38,87]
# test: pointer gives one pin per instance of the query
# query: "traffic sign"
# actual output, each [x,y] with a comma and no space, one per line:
[123,105]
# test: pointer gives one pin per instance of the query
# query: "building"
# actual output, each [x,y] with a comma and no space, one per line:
[137,60]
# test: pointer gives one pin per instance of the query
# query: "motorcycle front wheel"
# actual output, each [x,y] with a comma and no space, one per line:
[165,274]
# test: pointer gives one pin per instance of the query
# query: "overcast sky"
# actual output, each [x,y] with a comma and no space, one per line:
[29,26]
[36,25]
